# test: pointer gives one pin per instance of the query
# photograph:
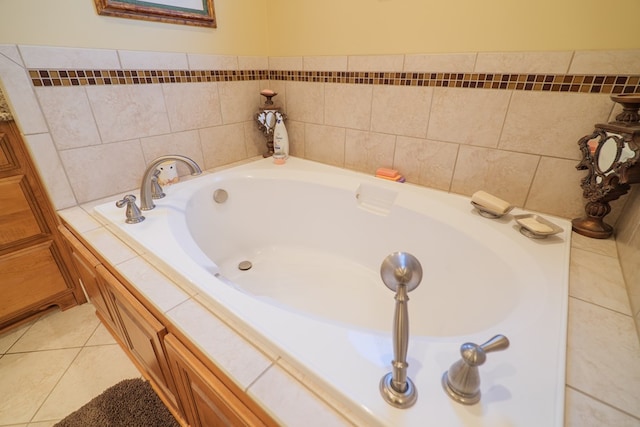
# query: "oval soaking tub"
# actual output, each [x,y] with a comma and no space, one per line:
[294,254]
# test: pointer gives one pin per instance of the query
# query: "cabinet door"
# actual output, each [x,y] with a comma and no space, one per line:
[30,279]
[140,332]
[207,401]
[86,263]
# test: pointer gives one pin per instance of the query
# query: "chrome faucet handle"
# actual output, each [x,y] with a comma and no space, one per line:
[133,213]
[462,380]
[156,189]
[401,272]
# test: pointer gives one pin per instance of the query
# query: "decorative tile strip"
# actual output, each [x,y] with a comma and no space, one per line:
[606,84]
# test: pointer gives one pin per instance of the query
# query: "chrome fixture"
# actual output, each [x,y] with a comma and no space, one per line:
[462,380]
[220,195]
[156,189]
[134,215]
[146,191]
[401,272]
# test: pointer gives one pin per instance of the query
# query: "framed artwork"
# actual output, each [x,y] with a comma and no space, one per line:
[186,12]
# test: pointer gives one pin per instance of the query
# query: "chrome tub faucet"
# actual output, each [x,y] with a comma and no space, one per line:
[146,190]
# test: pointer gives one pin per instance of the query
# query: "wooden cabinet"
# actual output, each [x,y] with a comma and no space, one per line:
[193,390]
[140,333]
[207,401]
[85,264]
[33,261]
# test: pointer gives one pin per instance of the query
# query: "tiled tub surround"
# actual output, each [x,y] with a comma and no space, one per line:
[603,352]
[504,122]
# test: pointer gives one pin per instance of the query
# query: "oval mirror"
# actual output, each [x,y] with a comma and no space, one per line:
[607,155]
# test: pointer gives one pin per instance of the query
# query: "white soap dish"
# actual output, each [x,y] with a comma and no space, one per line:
[489,213]
[536,227]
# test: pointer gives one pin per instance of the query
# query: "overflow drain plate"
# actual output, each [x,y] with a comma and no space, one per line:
[245,265]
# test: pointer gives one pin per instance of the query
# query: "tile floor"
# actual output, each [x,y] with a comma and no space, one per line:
[50,367]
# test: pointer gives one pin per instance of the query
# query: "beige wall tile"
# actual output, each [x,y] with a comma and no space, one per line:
[185,143]
[223,144]
[429,163]
[504,174]
[19,93]
[199,61]
[49,57]
[100,170]
[127,112]
[220,342]
[628,244]
[599,246]
[324,144]
[556,189]
[109,246]
[376,63]
[239,101]
[606,62]
[468,116]
[51,170]
[287,63]
[348,105]
[138,60]
[255,141]
[296,138]
[552,123]
[584,411]
[325,63]
[253,62]
[367,151]
[598,279]
[603,356]
[442,62]
[523,62]
[152,284]
[192,106]
[305,102]
[401,110]
[301,407]
[69,116]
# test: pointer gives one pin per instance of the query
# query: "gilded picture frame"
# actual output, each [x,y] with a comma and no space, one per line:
[186,12]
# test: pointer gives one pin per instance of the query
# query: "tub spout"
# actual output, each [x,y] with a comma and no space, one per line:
[146,199]
[401,272]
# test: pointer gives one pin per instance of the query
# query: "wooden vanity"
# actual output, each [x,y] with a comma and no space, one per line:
[33,260]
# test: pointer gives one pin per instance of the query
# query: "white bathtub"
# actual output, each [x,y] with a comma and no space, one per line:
[316,236]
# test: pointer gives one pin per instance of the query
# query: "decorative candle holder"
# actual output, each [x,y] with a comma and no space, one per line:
[611,155]
[267,117]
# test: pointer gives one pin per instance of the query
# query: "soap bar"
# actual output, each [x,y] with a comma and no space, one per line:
[535,226]
[490,202]
[389,173]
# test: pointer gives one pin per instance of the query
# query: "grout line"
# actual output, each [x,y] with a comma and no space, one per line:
[595,304]
[622,411]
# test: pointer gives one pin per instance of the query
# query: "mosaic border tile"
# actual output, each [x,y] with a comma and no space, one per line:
[606,84]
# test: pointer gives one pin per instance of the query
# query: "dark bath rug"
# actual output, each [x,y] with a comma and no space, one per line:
[127,404]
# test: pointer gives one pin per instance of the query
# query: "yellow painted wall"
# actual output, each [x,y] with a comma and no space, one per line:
[345,27]
[242,28]
[337,27]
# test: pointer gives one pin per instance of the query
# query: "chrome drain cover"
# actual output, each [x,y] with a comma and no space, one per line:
[245,265]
